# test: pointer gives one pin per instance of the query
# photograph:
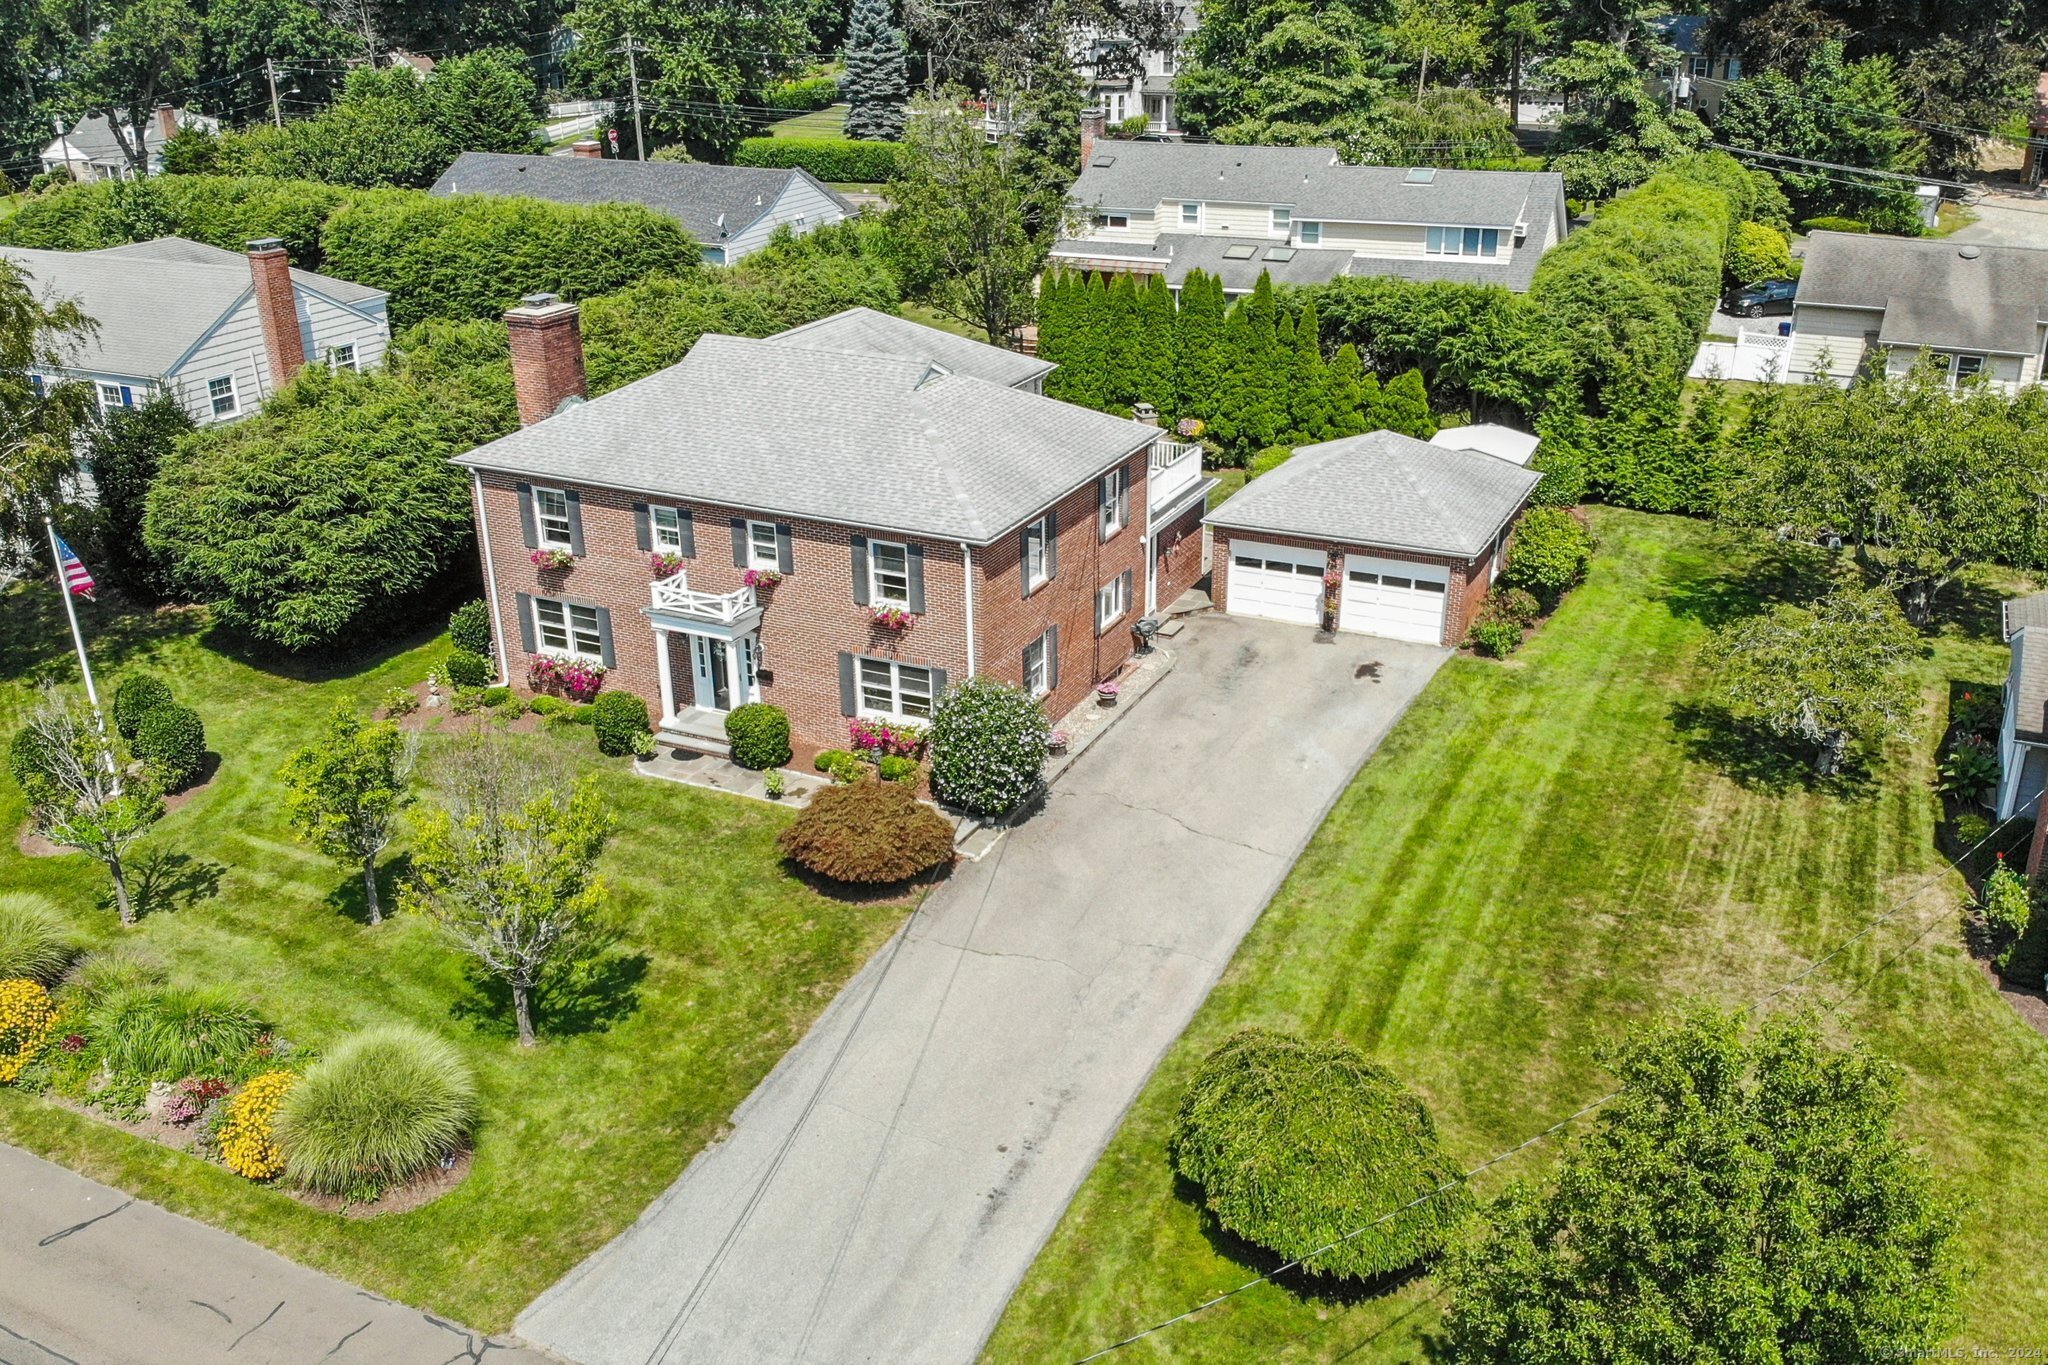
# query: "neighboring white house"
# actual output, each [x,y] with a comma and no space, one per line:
[730,210]
[1121,92]
[1302,215]
[219,330]
[90,150]
[1867,301]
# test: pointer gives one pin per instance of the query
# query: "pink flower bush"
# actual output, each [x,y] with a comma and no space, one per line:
[883,739]
[665,563]
[552,559]
[760,578]
[1111,688]
[891,618]
[1190,427]
[576,679]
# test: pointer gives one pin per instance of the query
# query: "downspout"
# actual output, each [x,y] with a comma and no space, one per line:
[967,578]
[483,522]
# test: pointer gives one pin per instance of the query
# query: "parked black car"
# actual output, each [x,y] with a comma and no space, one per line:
[1766,296]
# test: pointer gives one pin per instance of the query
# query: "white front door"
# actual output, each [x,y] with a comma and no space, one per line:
[1276,581]
[723,672]
[1394,597]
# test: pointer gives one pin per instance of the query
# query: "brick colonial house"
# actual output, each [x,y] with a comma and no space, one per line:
[1412,534]
[804,483]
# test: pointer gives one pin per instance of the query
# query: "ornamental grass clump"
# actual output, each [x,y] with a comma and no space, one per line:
[169,1032]
[248,1138]
[34,941]
[376,1111]
[870,833]
[26,1017]
[1296,1144]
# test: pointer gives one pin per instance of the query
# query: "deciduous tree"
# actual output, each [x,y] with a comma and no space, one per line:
[70,769]
[345,789]
[40,420]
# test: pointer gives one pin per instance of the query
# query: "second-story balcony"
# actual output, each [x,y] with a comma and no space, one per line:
[1175,467]
[675,596]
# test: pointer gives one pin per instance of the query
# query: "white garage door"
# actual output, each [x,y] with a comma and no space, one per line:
[1394,597]
[1276,581]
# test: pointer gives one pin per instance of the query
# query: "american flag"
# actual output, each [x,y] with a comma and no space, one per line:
[76,576]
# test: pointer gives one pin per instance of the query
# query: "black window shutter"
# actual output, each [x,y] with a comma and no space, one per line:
[1123,497]
[1052,543]
[575,522]
[847,701]
[739,542]
[687,526]
[525,605]
[526,531]
[785,549]
[914,556]
[1052,660]
[1102,506]
[1024,560]
[604,638]
[643,532]
[860,571]
[938,684]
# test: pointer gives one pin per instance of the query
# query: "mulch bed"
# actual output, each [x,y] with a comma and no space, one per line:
[34,845]
[421,1190]
[442,719]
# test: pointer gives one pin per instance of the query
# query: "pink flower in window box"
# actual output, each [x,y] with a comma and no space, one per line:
[665,563]
[760,578]
[577,679]
[552,559]
[891,618]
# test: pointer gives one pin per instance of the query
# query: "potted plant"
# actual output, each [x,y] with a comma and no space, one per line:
[774,783]
[1056,742]
[644,747]
[891,617]
[665,563]
[1106,693]
[552,559]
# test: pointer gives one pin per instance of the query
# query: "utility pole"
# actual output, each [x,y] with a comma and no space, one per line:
[270,74]
[633,76]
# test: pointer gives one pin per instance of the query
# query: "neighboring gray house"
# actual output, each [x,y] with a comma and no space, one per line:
[1867,300]
[91,152]
[729,210]
[221,331]
[1702,75]
[2023,733]
[1303,215]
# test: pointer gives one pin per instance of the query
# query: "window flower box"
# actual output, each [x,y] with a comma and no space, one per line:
[875,739]
[760,578]
[577,679]
[665,563]
[552,559]
[891,618]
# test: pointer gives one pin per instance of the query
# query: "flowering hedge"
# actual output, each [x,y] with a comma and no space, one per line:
[988,744]
[576,679]
[248,1140]
[26,1017]
[883,739]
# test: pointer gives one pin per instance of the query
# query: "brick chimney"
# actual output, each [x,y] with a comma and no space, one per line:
[586,148]
[547,355]
[1094,128]
[277,308]
[166,122]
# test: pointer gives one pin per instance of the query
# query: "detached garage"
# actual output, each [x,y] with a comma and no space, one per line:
[1409,535]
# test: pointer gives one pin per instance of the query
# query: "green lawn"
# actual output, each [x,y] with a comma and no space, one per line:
[1542,852]
[827,122]
[728,961]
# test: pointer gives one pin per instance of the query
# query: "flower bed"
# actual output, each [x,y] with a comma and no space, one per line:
[875,739]
[577,679]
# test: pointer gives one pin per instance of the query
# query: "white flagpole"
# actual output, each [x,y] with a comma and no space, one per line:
[92,694]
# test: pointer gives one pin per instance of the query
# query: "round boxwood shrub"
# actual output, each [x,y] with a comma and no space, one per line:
[137,695]
[619,718]
[873,833]
[1549,552]
[469,627]
[376,1111]
[171,745]
[34,940]
[988,746]
[1296,1143]
[758,734]
[466,669]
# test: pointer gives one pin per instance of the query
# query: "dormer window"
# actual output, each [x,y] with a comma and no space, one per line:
[1191,215]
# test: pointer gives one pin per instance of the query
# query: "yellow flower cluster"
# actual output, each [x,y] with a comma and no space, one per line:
[26,1016]
[248,1140]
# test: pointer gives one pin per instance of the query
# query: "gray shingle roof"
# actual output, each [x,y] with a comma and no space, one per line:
[1516,274]
[1138,175]
[695,194]
[92,138]
[1185,252]
[2017,613]
[153,300]
[863,331]
[1989,299]
[1387,490]
[884,442]
[2030,684]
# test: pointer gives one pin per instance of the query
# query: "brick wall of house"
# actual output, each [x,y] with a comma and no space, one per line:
[1177,551]
[1466,593]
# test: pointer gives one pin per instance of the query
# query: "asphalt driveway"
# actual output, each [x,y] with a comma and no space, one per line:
[887,1186]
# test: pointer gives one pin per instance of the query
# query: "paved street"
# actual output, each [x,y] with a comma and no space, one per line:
[93,1277]
[888,1185]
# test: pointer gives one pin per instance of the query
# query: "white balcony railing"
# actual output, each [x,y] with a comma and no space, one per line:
[1176,467]
[675,594]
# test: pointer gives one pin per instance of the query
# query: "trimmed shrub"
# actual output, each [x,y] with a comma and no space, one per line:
[1757,253]
[495,697]
[847,768]
[758,734]
[1549,552]
[827,757]
[469,627]
[1496,637]
[1513,604]
[619,718]
[871,833]
[170,1032]
[376,1111]
[827,158]
[1270,459]
[988,746]
[1296,1144]
[467,669]
[34,940]
[1827,224]
[896,768]
[546,706]
[2004,901]
[137,695]
[803,96]
[172,745]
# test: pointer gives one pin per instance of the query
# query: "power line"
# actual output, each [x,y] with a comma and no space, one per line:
[1874,113]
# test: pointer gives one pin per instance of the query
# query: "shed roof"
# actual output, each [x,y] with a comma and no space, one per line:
[1384,489]
[1489,438]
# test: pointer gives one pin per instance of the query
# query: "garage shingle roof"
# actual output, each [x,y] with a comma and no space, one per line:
[1384,489]
[1967,297]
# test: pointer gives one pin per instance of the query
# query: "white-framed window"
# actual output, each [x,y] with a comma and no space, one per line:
[1958,368]
[1191,215]
[888,573]
[551,519]
[342,357]
[221,395]
[1112,220]
[1037,669]
[1311,234]
[1112,600]
[665,525]
[110,397]
[1037,553]
[762,550]
[1702,66]
[1116,501]
[1283,219]
[894,690]
[1471,241]
[567,628]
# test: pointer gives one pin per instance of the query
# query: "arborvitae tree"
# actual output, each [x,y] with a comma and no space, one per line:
[1350,390]
[1310,405]
[1091,314]
[875,83]
[1701,444]
[1156,357]
[1054,329]
[1404,407]
[1253,400]
[1122,343]
[1646,464]
[1198,334]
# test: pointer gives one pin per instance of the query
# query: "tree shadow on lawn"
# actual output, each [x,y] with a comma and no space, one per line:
[587,994]
[1973,608]
[35,638]
[1757,571]
[317,665]
[1758,760]
[164,881]
[1303,1285]
[347,898]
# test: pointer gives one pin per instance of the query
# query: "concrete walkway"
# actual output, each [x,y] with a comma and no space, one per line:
[90,1276]
[887,1186]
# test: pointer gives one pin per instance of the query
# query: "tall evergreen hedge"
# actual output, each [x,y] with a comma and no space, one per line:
[828,158]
